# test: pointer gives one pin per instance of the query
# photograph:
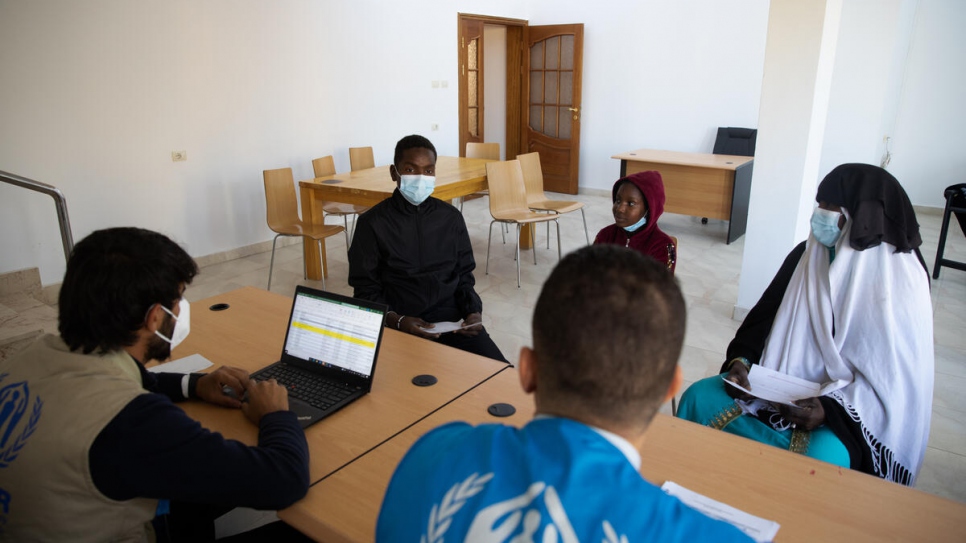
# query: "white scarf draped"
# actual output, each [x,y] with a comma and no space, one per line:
[879,364]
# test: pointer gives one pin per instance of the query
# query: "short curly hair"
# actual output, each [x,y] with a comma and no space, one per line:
[113,277]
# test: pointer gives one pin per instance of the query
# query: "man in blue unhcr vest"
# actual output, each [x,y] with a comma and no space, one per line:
[607,333]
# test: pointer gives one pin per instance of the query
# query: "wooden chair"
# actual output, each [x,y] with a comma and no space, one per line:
[508,204]
[326,166]
[480,150]
[537,199]
[360,158]
[283,216]
[955,203]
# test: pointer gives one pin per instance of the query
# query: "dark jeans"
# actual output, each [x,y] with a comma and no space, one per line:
[481,344]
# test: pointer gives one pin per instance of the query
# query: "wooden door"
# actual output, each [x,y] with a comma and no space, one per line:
[470,82]
[551,105]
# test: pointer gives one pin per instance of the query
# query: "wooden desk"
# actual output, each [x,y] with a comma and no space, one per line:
[812,500]
[345,505]
[455,177]
[250,334]
[699,184]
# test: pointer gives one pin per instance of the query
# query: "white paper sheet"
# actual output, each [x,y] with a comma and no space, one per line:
[449,326]
[757,528]
[778,387]
[188,364]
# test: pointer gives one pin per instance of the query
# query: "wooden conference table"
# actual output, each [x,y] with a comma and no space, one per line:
[699,184]
[249,334]
[354,452]
[455,177]
[811,500]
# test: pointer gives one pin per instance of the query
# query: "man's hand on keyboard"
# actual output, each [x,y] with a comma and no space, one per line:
[211,387]
[264,397]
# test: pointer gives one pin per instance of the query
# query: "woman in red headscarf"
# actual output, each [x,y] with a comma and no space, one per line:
[638,203]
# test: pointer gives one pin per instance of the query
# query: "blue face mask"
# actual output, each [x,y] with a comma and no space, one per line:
[416,188]
[825,226]
[637,225]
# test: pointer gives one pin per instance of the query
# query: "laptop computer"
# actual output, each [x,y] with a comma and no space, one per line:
[329,355]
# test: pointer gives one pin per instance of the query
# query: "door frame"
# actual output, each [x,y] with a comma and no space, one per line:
[515,48]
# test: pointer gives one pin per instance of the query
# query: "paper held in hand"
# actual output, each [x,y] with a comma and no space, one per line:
[448,326]
[779,387]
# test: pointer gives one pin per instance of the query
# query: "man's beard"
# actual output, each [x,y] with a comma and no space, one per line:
[159,349]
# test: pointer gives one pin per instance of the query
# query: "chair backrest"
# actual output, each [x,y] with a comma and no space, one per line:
[532,177]
[280,202]
[735,141]
[507,191]
[323,166]
[483,150]
[360,158]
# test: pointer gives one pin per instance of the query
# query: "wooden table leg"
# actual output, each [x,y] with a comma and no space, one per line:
[312,212]
[525,236]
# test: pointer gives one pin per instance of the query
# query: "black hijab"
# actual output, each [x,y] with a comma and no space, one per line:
[879,207]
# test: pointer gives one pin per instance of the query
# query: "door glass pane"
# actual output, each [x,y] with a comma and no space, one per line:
[471,53]
[536,56]
[550,95]
[473,117]
[566,88]
[536,87]
[567,53]
[550,121]
[536,118]
[553,53]
[566,116]
[471,84]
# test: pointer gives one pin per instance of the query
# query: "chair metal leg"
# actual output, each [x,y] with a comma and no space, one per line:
[271,263]
[940,249]
[586,234]
[518,255]
[548,234]
[353,233]
[559,252]
[488,240]
[533,242]
[345,222]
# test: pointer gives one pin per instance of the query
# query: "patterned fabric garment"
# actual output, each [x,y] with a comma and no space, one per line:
[553,480]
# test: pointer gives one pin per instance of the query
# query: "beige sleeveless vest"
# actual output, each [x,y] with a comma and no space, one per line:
[53,404]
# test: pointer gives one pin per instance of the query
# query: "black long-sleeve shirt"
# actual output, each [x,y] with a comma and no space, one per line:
[152,449]
[416,259]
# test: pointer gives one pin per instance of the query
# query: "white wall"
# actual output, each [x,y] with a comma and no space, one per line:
[929,143]
[97,94]
[661,74]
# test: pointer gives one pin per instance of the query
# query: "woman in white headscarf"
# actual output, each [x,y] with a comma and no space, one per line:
[849,309]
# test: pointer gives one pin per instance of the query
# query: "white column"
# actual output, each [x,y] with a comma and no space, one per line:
[799,57]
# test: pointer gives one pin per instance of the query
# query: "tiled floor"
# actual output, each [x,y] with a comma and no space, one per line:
[708,271]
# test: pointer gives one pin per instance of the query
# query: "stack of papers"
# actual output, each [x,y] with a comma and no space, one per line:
[188,364]
[757,528]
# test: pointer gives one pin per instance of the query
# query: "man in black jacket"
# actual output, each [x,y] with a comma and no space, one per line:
[413,253]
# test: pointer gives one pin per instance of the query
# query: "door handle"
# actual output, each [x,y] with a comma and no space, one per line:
[576,111]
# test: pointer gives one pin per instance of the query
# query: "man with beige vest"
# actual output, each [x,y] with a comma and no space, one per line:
[92,447]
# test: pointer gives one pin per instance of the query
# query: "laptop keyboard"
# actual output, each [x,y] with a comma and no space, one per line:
[306,386]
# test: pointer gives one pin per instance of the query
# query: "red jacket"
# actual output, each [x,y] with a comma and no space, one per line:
[648,239]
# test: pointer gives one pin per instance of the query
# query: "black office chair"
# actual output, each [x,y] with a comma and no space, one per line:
[734,141]
[955,203]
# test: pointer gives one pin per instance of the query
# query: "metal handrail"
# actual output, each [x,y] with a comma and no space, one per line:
[66,237]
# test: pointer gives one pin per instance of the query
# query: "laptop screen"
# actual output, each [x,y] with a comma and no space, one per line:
[334,333]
